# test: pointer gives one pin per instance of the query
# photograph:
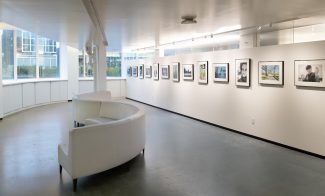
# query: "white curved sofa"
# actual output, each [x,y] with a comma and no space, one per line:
[104,145]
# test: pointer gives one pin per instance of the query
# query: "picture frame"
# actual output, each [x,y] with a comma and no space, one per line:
[135,71]
[155,71]
[141,71]
[129,71]
[203,73]
[220,72]
[176,71]
[188,72]
[309,73]
[243,72]
[270,72]
[165,72]
[148,72]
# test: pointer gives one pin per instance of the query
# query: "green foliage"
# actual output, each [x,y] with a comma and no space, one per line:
[26,71]
[49,72]
[113,71]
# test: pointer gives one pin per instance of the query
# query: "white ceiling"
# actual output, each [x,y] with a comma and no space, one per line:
[141,23]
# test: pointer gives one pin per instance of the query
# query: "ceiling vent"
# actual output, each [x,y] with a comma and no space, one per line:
[188,19]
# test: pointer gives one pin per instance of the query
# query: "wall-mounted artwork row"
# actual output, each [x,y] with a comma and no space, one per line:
[270,72]
[203,72]
[155,70]
[175,72]
[148,72]
[165,71]
[310,73]
[135,71]
[220,71]
[242,72]
[188,72]
[141,70]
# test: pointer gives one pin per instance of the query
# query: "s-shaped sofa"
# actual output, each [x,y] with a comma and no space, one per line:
[114,133]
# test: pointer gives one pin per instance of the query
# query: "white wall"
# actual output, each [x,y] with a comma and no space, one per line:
[288,115]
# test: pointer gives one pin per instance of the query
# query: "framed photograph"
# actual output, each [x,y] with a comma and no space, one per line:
[135,71]
[175,72]
[188,72]
[155,70]
[243,72]
[165,71]
[148,72]
[129,71]
[203,72]
[310,73]
[220,72]
[141,71]
[270,72]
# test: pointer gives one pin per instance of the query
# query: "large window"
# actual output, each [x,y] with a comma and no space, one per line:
[27,56]
[113,62]
[7,54]
[85,67]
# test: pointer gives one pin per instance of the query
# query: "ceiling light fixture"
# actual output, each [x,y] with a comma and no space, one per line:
[188,19]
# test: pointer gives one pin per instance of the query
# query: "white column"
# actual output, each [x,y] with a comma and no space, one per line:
[73,71]
[100,67]
[1,93]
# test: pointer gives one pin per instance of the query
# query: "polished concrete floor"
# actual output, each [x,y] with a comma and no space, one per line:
[183,158]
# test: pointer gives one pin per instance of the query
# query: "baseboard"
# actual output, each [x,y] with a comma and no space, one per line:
[238,132]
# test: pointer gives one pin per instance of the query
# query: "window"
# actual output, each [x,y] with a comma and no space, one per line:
[33,56]
[47,60]
[113,62]
[85,66]
[8,54]
[28,41]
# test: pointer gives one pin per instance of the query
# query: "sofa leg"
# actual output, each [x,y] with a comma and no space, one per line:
[75,184]
[60,169]
[142,151]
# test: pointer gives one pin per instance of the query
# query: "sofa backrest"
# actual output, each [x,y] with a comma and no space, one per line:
[95,96]
[116,110]
[99,147]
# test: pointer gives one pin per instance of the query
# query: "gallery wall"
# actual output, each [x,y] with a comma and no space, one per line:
[286,114]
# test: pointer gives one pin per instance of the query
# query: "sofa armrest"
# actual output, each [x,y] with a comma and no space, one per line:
[64,160]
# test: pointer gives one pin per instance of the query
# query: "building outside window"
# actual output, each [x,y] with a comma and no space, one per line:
[85,67]
[28,56]
[7,54]
[113,62]
[48,53]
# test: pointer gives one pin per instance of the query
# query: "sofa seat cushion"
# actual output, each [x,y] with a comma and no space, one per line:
[98,120]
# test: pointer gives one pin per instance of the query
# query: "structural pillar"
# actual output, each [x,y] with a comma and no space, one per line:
[100,67]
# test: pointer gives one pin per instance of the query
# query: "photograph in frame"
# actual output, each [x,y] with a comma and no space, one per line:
[175,72]
[148,71]
[310,73]
[155,71]
[203,72]
[270,72]
[141,71]
[242,72]
[188,72]
[165,71]
[220,72]
[129,71]
[135,71]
